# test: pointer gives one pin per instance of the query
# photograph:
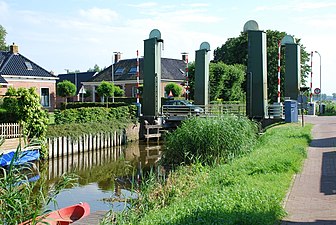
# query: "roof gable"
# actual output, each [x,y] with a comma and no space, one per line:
[18,65]
[171,69]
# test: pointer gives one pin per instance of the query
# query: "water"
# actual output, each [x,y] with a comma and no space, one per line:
[103,174]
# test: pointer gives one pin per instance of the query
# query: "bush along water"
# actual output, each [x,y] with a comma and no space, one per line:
[210,139]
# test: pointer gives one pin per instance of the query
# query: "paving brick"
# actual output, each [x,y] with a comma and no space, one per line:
[312,199]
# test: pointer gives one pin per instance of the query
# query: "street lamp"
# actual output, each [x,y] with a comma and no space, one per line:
[320,82]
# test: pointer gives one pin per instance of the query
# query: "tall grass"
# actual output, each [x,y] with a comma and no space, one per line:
[210,139]
[247,190]
[21,200]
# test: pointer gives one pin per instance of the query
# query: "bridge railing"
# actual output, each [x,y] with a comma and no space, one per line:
[275,111]
[221,109]
[211,109]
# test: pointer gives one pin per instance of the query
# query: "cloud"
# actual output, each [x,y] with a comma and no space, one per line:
[144,5]
[297,6]
[99,14]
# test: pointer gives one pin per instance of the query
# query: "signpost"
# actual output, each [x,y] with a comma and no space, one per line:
[317,91]
[82,91]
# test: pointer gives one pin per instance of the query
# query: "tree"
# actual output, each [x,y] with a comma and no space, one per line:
[334,95]
[66,89]
[118,92]
[29,111]
[96,68]
[106,89]
[174,88]
[234,51]
[3,33]
[225,81]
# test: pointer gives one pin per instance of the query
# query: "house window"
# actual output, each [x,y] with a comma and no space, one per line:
[45,99]
[28,65]
[134,91]
[133,70]
[119,71]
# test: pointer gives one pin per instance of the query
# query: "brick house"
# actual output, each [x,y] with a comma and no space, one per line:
[172,70]
[18,71]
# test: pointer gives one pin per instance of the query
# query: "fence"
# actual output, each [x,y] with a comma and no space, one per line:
[62,146]
[10,130]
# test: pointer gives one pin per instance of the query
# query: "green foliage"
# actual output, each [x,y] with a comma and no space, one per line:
[330,108]
[66,89]
[234,51]
[225,81]
[248,190]
[75,105]
[28,110]
[3,33]
[95,114]
[118,92]
[11,103]
[209,140]
[106,90]
[96,68]
[75,130]
[174,88]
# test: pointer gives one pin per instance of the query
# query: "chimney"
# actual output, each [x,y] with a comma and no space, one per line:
[14,49]
[184,56]
[117,56]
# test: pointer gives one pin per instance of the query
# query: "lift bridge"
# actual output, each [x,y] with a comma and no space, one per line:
[257,106]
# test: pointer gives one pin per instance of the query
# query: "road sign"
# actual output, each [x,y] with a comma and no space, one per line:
[317,91]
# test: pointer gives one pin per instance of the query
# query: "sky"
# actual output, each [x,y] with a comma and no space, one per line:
[62,35]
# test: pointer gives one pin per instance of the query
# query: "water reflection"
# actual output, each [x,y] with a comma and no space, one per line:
[103,174]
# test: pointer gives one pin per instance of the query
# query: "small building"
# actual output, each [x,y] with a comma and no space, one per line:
[76,78]
[125,75]
[18,71]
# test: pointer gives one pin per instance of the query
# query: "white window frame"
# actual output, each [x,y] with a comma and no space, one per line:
[49,105]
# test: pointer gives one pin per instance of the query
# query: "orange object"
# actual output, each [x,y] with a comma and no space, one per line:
[63,216]
[170,94]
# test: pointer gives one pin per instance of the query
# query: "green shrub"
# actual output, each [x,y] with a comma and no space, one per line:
[330,108]
[7,117]
[76,130]
[95,114]
[210,139]
[76,105]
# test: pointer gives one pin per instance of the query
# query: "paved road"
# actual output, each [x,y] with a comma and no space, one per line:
[312,199]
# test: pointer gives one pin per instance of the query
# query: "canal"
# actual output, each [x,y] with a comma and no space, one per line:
[102,174]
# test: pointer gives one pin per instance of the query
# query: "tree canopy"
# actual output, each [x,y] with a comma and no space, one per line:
[174,88]
[3,33]
[106,90]
[225,81]
[234,51]
[66,89]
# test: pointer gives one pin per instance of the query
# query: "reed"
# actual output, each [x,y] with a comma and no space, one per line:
[21,200]
[210,140]
[246,190]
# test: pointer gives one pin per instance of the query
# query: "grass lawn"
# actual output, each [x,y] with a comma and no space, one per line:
[248,190]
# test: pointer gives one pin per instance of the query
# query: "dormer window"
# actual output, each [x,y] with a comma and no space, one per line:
[119,71]
[133,70]
[28,65]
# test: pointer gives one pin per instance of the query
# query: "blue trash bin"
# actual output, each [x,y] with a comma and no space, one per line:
[291,111]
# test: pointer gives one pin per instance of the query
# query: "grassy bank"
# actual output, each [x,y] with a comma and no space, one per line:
[247,190]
